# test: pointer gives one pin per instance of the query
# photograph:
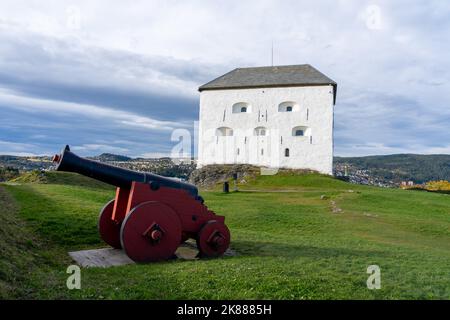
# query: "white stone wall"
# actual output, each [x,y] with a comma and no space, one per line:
[313,110]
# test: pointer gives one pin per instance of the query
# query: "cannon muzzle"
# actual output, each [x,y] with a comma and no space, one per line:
[119,177]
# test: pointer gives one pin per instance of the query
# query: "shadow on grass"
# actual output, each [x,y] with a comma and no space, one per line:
[52,220]
[428,190]
[272,249]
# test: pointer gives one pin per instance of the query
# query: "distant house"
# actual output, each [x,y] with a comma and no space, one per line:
[268,116]
[407,183]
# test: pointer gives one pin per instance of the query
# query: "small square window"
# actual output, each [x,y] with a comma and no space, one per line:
[244,109]
[299,133]
[289,109]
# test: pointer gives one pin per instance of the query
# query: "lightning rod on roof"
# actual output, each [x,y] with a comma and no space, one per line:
[272,53]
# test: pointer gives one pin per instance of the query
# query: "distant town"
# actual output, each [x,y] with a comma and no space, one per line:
[180,168]
[402,170]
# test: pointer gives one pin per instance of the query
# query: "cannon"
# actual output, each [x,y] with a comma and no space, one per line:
[151,215]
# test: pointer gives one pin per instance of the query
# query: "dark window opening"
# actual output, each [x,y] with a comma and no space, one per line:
[286,152]
[262,152]
[244,109]
[299,133]
[289,109]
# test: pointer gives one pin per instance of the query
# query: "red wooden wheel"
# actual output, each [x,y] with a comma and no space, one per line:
[109,230]
[213,239]
[151,232]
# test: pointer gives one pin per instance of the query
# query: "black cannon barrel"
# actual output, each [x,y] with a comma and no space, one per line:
[119,177]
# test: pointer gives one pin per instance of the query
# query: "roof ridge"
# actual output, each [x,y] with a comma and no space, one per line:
[277,66]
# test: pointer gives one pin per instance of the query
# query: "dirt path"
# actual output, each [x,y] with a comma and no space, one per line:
[7,203]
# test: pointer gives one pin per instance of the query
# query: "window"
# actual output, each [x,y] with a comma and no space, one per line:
[262,152]
[286,152]
[260,131]
[237,151]
[288,106]
[224,131]
[301,131]
[241,107]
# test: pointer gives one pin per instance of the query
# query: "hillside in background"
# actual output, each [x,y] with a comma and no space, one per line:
[384,171]
[163,166]
[105,157]
[391,170]
[25,163]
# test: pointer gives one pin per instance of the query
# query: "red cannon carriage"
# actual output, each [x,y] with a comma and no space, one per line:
[151,215]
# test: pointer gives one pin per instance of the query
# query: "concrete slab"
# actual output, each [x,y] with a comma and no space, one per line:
[108,257]
[105,257]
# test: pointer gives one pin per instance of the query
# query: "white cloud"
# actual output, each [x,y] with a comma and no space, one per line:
[16,148]
[155,155]
[372,149]
[438,150]
[34,105]
[389,59]
[99,148]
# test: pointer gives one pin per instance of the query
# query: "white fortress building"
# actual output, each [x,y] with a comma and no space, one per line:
[276,117]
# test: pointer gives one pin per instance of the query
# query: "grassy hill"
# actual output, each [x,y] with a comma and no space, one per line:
[296,237]
[58,178]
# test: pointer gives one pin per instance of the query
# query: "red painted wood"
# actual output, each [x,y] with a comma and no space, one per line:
[191,215]
[149,217]
[120,205]
[213,239]
[109,230]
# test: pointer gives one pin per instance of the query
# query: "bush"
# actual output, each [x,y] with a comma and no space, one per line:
[441,185]
[8,173]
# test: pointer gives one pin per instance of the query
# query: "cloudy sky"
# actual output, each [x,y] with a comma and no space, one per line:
[116,76]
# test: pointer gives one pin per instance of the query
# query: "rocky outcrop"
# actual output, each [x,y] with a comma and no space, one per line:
[211,175]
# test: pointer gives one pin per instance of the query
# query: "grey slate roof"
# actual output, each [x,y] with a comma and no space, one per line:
[265,77]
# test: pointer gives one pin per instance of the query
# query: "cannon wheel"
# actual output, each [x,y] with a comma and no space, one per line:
[108,229]
[213,239]
[151,232]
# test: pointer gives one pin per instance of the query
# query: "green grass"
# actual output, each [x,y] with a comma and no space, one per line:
[290,245]
[55,177]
